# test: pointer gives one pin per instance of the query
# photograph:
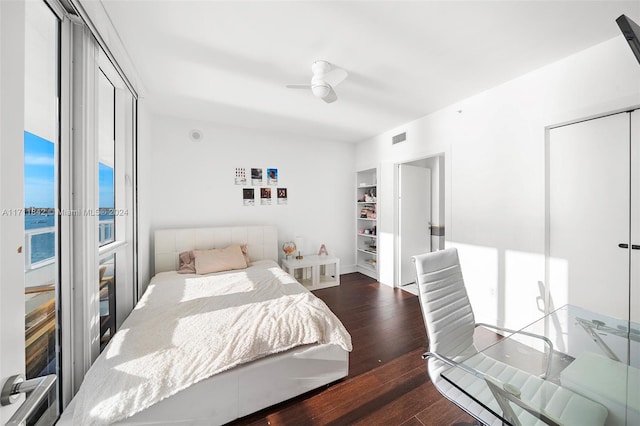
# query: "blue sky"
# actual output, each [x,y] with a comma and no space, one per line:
[39,174]
[105,176]
[38,171]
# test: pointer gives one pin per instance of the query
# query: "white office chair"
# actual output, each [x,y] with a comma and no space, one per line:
[450,325]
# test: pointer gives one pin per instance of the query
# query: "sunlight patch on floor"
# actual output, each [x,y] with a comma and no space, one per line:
[411,288]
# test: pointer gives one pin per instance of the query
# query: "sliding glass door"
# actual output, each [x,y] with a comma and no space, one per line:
[67,198]
[41,195]
[41,189]
[30,198]
[106,205]
[41,162]
[115,119]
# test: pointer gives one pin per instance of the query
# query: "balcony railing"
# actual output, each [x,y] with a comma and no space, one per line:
[40,246]
[105,231]
[44,254]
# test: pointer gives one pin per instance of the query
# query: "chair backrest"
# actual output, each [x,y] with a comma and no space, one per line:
[445,305]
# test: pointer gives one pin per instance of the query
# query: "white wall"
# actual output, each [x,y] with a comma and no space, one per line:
[191,184]
[494,145]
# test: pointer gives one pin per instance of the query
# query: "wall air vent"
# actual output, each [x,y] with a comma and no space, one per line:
[399,138]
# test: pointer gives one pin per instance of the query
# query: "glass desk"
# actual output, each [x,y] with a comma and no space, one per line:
[593,356]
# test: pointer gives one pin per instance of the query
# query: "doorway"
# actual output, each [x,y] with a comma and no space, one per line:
[419,214]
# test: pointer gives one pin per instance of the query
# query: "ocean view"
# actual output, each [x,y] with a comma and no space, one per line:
[39,190]
[43,244]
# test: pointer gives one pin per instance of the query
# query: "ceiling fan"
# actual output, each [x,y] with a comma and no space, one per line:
[325,77]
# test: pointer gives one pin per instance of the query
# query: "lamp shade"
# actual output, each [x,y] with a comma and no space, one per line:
[299,244]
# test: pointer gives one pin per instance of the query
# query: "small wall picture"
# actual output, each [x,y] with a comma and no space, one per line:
[248,197]
[265,196]
[256,176]
[282,195]
[272,176]
[241,176]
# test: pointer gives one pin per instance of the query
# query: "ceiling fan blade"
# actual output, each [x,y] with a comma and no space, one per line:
[331,97]
[298,86]
[335,76]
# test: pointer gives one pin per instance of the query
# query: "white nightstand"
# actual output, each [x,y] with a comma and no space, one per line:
[313,271]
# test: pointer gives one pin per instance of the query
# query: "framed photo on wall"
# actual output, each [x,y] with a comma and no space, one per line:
[248,197]
[256,176]
[272,176]
[241,176]
[282,195]
[265,196]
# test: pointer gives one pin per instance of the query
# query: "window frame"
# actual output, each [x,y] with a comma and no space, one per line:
[80,178]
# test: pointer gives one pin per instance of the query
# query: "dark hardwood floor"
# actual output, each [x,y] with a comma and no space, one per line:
[388,382]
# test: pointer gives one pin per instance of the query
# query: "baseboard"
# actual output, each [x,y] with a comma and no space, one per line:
[347,269]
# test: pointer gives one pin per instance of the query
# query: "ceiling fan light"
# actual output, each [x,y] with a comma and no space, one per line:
[321,90]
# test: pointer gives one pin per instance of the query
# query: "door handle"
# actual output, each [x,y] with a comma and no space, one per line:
[37,389]
[626,246]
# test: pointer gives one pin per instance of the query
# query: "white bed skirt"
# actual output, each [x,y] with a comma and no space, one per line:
[244,389]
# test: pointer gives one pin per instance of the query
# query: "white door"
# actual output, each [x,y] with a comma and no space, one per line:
[589,214]
[28,202]
[414,205]
[634,292]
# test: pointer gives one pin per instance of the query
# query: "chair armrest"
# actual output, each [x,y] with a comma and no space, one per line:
[453,363]
[526,333]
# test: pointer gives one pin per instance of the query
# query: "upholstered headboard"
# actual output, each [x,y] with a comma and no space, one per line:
[262,242]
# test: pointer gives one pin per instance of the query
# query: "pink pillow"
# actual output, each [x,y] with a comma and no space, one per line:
[186,263]
[218,260]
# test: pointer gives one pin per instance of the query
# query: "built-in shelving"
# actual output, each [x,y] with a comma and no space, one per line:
[367,251]
[367,222]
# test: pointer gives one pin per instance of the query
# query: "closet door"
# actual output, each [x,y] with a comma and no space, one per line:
[634,289]
[634,293]
[589,215]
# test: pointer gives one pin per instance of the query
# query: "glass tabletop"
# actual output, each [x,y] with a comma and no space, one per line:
[571,353]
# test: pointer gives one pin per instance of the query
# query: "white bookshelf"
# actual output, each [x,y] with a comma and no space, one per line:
[367,222]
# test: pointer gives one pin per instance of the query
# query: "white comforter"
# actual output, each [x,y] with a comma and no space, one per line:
[187,328]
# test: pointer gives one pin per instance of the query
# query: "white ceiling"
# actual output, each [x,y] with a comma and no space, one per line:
[228,62]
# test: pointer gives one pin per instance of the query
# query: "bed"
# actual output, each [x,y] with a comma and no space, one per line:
[232,391]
